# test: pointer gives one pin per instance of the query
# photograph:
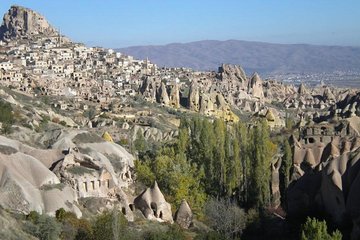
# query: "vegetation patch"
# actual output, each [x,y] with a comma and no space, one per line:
[48,187]
[115,161]
[87,138]
[7,150]
[80,170]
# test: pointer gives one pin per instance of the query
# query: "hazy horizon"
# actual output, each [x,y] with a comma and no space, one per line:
[119,24]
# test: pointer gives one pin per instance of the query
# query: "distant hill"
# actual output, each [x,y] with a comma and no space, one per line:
[253,56]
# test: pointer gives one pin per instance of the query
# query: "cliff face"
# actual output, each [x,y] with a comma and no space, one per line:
[21,22]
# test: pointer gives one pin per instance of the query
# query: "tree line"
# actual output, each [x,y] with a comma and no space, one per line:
[212,159]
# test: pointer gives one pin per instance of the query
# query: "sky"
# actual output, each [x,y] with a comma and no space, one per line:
[121,23]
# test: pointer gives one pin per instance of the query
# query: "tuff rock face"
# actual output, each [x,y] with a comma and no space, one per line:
[184,215]
[256,86]
[163,96]
[233,72]
[194,97]
[326,172]
[26,183]
[20,22]
[151,202]
[174,96]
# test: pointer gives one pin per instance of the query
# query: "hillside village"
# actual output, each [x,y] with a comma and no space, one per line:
[63,96]
[38,64]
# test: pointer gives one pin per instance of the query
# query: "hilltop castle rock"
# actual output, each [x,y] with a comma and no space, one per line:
[22,22]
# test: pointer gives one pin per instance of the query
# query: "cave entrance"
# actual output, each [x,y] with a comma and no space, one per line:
[154,208]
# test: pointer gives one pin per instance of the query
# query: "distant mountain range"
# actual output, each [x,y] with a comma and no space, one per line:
[265,58]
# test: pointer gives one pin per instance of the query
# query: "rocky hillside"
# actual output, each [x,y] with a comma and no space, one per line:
[23,22]
[253,56]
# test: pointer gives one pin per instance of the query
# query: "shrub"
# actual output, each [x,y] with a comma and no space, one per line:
[72,227]
[314,229]
[48,187]
[173,233]
[43,227]
[87,137]
[109,226]
[225,217]
[123,142]
[33,216]
[6,129]
[212,235]
[6,114]
[55,120]
[79,170]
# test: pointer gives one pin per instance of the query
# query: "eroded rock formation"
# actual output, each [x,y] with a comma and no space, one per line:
[22,22]
[184,215]
[151,202]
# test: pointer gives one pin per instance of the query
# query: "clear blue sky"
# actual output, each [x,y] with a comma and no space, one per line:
[119,23]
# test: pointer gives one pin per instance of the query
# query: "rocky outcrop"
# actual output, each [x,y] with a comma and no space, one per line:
[332,188]
[184,215]
[148,89]
[151,202]
[26,184]
[174,96]
[302,90]
[228,72]
[206,104]
[21,22]
[194,98]
[78,164]
[325,173]
[328,95]
[256,87]
[163,97]
[275,180]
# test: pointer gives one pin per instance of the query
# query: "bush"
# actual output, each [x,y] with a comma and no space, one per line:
[109,226]
[212,235]
[123,142]
[90,113]
[72,227]
[43,227]
[79,170]
[6,114]
[173,233]
[314,229]
[56,120]
[6,129]
[33,216]
[48,187]
[225,217]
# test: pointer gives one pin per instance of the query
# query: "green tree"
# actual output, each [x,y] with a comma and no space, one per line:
[285,169]
[289,121]
[219,161]
[109,226]
[6,117]
[314,229]
[6,114]
[262,150]
[144,172]
[243,138]
[235,169]
[140,142]
[73,227]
